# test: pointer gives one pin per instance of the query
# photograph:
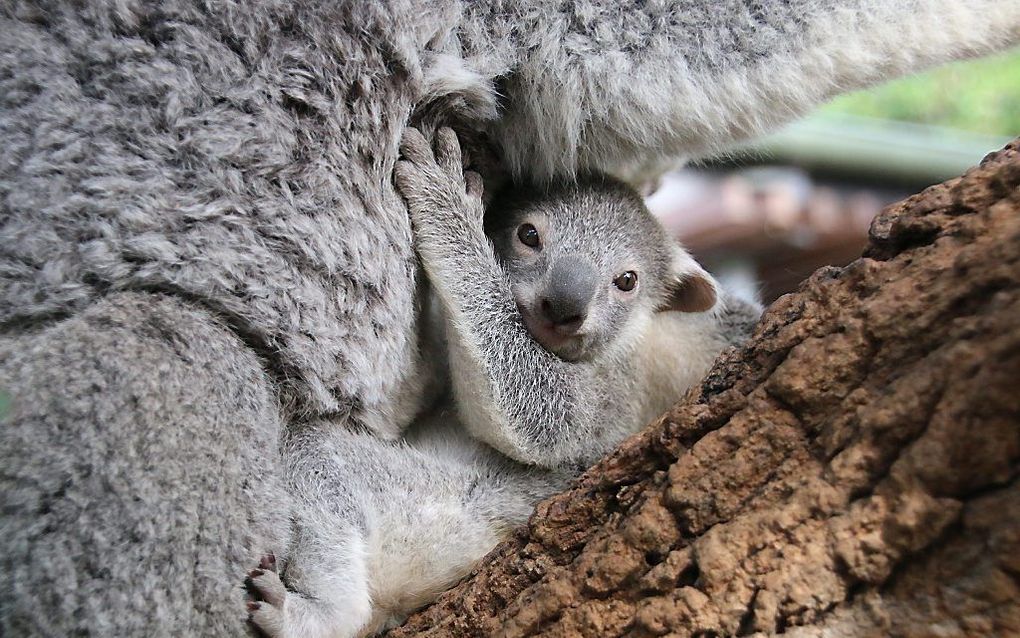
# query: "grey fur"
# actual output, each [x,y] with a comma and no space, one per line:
[383,527]
[101,495]
[234,159]
[531,402]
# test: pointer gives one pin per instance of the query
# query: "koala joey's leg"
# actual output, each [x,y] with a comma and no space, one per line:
[337,603]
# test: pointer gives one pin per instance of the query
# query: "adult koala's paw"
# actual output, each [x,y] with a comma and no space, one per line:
[439,193]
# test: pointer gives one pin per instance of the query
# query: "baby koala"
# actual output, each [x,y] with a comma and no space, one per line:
[569,320]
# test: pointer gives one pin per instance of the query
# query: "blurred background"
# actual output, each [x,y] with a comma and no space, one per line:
[765,216]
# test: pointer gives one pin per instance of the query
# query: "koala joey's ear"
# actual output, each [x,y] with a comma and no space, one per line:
[690,288]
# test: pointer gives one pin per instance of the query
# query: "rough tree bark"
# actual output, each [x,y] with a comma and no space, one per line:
[852,471]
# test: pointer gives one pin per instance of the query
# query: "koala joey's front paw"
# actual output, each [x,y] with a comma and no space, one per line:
[434,182]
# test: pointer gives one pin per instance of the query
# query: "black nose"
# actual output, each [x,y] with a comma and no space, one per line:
[565,319]
[569,293]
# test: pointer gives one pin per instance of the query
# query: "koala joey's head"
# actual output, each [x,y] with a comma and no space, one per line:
[588,264]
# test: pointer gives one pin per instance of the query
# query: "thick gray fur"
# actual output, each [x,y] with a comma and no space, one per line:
[225,168]
[383,527]
[99,493]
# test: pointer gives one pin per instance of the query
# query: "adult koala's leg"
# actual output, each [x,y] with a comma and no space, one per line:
[138,472]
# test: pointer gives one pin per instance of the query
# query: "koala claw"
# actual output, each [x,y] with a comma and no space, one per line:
[268,561]
[415,148]
[269,594]
[267,619]
[474,184]
[268,587]
[448,151]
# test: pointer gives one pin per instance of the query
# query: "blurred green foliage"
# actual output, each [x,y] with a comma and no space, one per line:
[981,96]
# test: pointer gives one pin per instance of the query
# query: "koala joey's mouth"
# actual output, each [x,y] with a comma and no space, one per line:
[566,345]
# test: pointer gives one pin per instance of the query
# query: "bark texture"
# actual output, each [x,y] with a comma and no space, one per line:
[852,471]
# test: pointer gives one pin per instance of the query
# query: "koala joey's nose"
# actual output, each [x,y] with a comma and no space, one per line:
[563,319]
[569,294]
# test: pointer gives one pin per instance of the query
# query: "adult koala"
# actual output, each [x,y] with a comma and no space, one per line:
[201,245]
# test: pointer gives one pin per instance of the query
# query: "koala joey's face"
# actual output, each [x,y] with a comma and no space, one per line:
[588,264]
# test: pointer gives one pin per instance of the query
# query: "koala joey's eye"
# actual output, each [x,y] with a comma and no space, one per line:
[528,235]
[626,281]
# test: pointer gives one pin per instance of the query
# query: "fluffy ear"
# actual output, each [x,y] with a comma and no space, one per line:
[690,288]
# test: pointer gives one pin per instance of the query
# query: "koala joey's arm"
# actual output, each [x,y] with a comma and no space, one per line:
[511,392]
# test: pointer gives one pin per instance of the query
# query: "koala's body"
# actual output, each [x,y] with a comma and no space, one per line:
[201,248]
[383,527]
[569,323]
